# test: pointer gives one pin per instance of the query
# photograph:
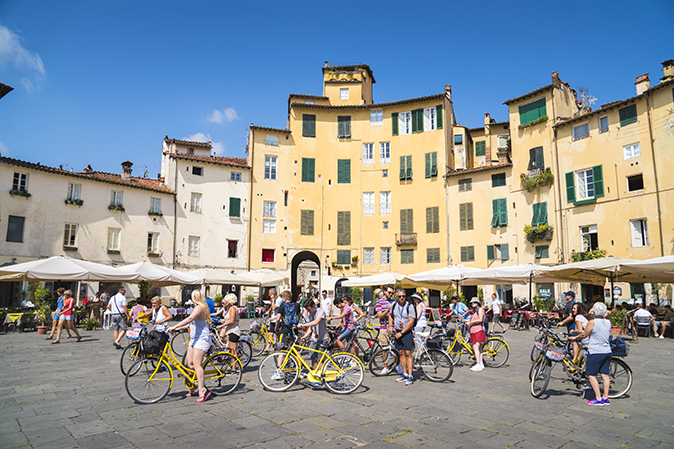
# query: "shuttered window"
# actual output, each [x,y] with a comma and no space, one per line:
[432,220]
[466,216]
[467,254]
[480,148]
[344,227]
[344,257]
[498,252]
[584,185]
[235,207]
[406,256]
[433,255]
[431,163]
[499,213]
[628,115]
[532,111]
[465,185]
[406,221]
[307,222]
[417,120]
[542,252]
[540,215]
[308,169]
[536,159]
[343,171]
[405,168]
[344,126]
[308,125]
[498,180]
[394,121]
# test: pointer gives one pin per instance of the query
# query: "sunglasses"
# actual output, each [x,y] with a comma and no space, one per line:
[401,296]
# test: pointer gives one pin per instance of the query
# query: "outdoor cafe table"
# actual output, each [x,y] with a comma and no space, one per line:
[19,319]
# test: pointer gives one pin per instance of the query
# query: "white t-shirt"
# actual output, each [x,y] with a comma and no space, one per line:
[325,305]
[277,303]
[642,312]
[584,321]
[496,306]
[117,303]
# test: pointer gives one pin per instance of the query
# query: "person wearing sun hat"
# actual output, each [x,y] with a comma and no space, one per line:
[230,325]
[478,335]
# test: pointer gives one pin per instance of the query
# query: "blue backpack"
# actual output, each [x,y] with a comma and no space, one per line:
[290,316]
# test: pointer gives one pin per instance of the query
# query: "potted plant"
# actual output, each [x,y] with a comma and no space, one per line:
[90,324]
[43,315]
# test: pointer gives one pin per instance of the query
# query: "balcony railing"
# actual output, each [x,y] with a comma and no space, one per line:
[406,239]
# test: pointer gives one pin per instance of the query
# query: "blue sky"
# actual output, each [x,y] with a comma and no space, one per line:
[103,82]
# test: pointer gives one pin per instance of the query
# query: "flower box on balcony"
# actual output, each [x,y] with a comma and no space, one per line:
[537,178]
[155,213]
[538,232]
[23,193]
[76,202]
[533,122]
[114,206]
[406,239]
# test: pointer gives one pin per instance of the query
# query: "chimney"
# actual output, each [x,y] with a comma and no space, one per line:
[448,92]
[487,135]
[88,169]
[126,169]
[667,70]
[503,157]
[555,79]
[643,83]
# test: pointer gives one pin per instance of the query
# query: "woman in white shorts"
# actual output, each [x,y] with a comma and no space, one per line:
[200,341]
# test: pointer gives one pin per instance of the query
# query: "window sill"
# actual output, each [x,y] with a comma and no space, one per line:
[69,248]
[580,138]
[113,251]
[153,255]
[584,202]
[234,218]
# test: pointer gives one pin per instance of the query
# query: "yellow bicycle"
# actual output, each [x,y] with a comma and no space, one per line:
[149,380]
[260,337]
[495,351]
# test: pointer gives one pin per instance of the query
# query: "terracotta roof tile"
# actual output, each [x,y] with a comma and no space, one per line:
[218,160]
[369,106]
[477,170]
[320,97]
[530,94]
[189,143]
[264,128]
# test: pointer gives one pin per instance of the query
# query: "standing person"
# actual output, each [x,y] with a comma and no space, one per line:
[316,330]
[67,317]
[422,321]
[477,334]
[599,356]
[120,315]
[495,307]
[458,309]
[200,341]
[580,319]
[160,315]
[348,326]
[359,314]
[56,317]
[382,308]
[401,321]
[230,325]
[568,310]
[326,303]
[276,302]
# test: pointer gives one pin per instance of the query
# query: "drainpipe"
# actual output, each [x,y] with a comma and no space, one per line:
[655,172]
[175,214]
[559,187]
[250,201]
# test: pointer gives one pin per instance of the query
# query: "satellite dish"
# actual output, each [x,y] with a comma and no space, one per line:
[670,127]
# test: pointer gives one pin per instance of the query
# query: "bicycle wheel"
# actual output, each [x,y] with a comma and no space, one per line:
[436,365]
[222,372]
[454,350]
[129,356]
[383,358]
[533,365]
[495,352]
[534,350]
[179,343]
[343,373]
[147,382]
[244,351]
[541,377]
[278,371]
[621,378]
[259,342]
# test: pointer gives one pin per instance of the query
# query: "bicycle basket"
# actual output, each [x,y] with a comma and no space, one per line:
[555,354]
[133,334]
[618,347]
[540,346]
[255,326]
[155,342]
[434,343]
[451,332]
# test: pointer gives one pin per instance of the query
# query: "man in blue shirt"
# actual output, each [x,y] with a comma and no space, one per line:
[211,310]
[459,309]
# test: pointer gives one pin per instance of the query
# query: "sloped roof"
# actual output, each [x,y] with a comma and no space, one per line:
[264,128]
[189,143]
[478,169]
[218,160]
[369,106]
[530,94]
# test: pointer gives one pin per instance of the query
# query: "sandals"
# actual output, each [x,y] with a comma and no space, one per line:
[204,398]
[78,339]
[191,394]
[48,338]
[55,342]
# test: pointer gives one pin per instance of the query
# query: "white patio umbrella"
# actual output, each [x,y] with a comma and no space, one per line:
[440,278]
[211,276]
[511,274]
[157,275]
[375,279]
[62,268]
[266,278]
[590,271]
[660,269]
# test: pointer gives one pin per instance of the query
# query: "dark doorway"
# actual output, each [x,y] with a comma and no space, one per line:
[297,260]
[434,299]
[469,292]
[340,291]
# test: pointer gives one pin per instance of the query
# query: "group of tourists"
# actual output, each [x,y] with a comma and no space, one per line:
[63,316]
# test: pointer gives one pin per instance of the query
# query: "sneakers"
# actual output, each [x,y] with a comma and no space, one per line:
[662,336]
[399,368]
[316,384]
[409,381]
[477,367]
[606,402]
[277,375]
[505,331]
[596,402]
[402,379]
[384,372]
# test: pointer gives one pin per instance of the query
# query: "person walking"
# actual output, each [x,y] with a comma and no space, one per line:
[382,308]
[402,317]
[119,318]
[67,317]
[326,303]
[477,334]
[495,308]
[159,313]
[56,317]
[230,325]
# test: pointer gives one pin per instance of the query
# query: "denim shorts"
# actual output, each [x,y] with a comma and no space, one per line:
[598,364]
[347,333]
[405,342]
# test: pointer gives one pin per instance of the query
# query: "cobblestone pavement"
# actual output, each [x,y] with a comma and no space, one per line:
[72,395]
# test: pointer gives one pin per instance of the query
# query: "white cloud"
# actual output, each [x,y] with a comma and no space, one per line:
[12,52]
[4,150]
[226,115]
[219,148]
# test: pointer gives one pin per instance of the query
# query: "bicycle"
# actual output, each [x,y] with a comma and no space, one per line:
[341,373]
[244,349]
[134,349]
[148,381]
[495,351]
[260,337]
[574,367]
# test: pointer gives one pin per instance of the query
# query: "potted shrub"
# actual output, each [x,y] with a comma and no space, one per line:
[90,324]
[43,316]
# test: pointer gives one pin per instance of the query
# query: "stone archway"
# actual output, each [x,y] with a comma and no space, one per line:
[297,260]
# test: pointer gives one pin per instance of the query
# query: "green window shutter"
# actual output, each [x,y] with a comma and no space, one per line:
[536,158]
[429,220]
[570,187]
[543,213]
[417,120]
[469,216]
[344,171]
[628,115]
[308,169]
[394,123]
[494,215]
[462,216]
[505,253]
[432,255]
[307,222]
[312,169]
[598,176]
[503,212]
[408,164]
[308,125]
[344,228]
[532,111]
[347,228]
[406,221]
[534,217]
[463,253]
[235,207]
[436,220]
[403,168]
[344,257]
[480,148]
[434,163]
[438,110]
[427,164]
[406,256]
[491,255]
[303,222]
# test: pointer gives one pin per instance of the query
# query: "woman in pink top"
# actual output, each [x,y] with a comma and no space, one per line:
[347,321]
[67,315]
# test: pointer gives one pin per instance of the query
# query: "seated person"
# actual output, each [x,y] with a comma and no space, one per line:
[667,321]
[641,312]
[654,310]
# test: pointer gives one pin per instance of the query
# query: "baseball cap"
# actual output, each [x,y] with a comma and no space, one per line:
[571,294]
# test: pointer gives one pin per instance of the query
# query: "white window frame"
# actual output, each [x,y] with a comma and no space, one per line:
[269,209]
[22,183]
[117,197]
[368,154]
[368,203]
[632,150]
[271,140]
[385,203]
[385,256]
[584,184]
[194,246]
[74,191]
[639,232]
[430,119]
[155,204]
[587,231]
[343,93]
[501,142]
[269,226]
[376,117]
[153,243]
[405,123]
[195,202]
[368,256]
[384,152]
[580,131]
[270,167]
[604,119]
[235,176]
[114,239]
[627,182]
[70,235]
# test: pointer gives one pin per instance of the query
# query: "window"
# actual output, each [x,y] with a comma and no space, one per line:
[269,209]
[405,168]
[70,235]
[344,257]
[114,235]
[639,231]
[588,238]
[480,148]
[384,152]
[74,191]
[271,140]
[498,252]
[235,207]
[384,224]
[308,125]
[20,182]
[499,216]
[343,94]
[308,169]
[343,171]
[405,123]
[465,185]
[267,255]
[635,182]
[368,154]
[580,131]
[376,117]
[232,248]
[418,120]
[406,221]
[269,226]
[628,115]
[344,228]
[285,198]
[542,252]
[406,256]
[632,150]
[540,215]
[431,163]
[432,220]
[368,203]
[194,243]
[344,126]
[153,243]
[195,203]
[502,142]
[198,171]
[498,180]
[384,173]
[603,124]
[465,216]
[384,256]
[584,185]
[433,255]
[15,229]
[155,204]
[536,159]
[368,256]
[117,198]
[190,151]
[458,139]
[467,254]
[307,222]
[430,119]
[384,203]
[235,176]
[270,167]
[532,111]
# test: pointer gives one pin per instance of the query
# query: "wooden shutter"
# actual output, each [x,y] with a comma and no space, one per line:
[462,217]
[480,148]
[417,120]
[403,168]
[534,218]
[427,164]
[308,169]
[505,253]
[434,163]
[490,252]
[344,228]
[598,176]
[343,171]
[570,187]
[469,216]
[308,125]
[234,207]
[436,220]
[438,117]
[432,255]
[303,222]
[503,212]
[464,253]
[543,213]
[494,213]
[432,220]
[307,222]
[628,115]
[408,167]
[406,221]
[394,123]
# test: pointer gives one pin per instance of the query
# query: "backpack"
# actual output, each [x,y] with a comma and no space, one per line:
[618,346]
[290,317]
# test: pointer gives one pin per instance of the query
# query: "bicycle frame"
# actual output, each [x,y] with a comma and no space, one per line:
[325,357]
